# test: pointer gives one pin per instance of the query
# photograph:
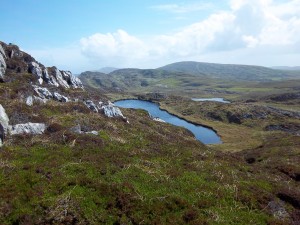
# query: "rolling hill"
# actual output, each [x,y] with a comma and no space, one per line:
[230,71]
[188,77]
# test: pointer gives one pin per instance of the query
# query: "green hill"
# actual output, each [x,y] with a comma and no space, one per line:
[230,71]
[192,79]
[83,166]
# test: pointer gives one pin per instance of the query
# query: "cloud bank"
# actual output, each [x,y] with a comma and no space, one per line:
[261,32]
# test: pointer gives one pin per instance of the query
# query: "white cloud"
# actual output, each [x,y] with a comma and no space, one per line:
[182,8]
[115,47]
[262,32]
[249,24]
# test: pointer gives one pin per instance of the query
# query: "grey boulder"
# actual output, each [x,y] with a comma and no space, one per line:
[59,97]
[28,128]
[4,120]
[91,105]
[72,80]
[60,79]
[49,79]
[43,92]
[111,110]
[37,71]
[2,63]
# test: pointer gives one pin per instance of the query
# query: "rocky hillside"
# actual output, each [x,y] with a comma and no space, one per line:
[69,156]
[36,84]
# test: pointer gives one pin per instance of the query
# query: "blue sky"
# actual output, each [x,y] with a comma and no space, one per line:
[83,35]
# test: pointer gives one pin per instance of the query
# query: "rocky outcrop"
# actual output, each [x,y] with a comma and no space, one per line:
[110,110]
[36,70]
[2,63]
[43,93]
[4,120]
[49,79]
[19,61]
[73,81]
[59,97]
[91,105]
[59,77]
[28,128]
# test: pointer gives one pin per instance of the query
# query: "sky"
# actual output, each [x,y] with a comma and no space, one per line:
[81,35]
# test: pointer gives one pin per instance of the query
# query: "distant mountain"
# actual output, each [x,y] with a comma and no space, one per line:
[229,71]
[286,67]
[136,79]
[182,76]
[107,70]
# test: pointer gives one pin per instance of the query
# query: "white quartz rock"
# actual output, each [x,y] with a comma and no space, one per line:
[28,128]
[37,71]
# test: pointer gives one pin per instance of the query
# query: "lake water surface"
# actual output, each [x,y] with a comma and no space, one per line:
[210,100]
[203,134]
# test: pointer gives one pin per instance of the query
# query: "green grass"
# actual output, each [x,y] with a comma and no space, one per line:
[145,171]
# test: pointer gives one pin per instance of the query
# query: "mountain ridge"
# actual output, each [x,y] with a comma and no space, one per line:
[188,75]
[227,71]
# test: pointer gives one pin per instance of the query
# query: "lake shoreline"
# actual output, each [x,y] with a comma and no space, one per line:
[178,116]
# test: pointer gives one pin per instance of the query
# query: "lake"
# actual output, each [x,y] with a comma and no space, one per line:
[203,134]
[210,100]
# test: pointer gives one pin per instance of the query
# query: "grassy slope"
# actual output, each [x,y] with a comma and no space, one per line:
[142,172]
[231,71]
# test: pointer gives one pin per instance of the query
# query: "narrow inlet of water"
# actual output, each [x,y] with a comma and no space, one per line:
[203,134]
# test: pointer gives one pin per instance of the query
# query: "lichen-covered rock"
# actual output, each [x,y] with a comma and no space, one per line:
[91,105]
[59,97]
[72,80]
[2,51]
[3,124]
[60,79]
[4,120]
[43,92]
[36,70]
[49,79]
[29,100]
[2,63]
[111,110]
[28,128]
